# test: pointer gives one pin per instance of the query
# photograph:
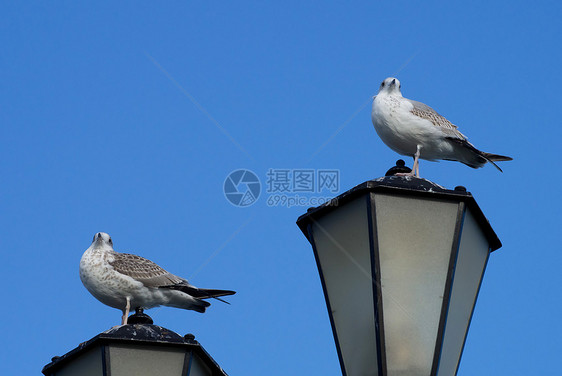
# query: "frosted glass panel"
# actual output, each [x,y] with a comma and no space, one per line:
[342,243]
[87,364]
[415,241]
[471,261]
[145,360]
[198,368]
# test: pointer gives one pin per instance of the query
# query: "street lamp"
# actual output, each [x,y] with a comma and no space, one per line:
[136,349]
[401,261]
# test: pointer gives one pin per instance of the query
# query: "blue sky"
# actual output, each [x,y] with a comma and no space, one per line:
[127,118]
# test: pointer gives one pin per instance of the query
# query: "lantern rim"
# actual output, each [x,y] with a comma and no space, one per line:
[404,186]
[137,334]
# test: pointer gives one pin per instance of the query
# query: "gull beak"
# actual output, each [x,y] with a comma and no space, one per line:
[98,239]
[393,82]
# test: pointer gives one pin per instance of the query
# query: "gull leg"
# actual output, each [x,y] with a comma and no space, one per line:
[126,312]
[416,166]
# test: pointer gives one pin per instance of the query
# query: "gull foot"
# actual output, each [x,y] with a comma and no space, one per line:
[405,174]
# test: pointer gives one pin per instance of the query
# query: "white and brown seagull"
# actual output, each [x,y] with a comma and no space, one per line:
[415,129]
[125,281]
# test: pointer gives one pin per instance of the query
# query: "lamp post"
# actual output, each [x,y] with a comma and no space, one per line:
[401,261]
[136,349]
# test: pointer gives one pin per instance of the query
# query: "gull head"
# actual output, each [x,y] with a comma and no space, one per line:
[390,86]
[102,240]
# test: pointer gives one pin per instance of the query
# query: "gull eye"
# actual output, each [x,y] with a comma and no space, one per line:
[110,241]
[382,84]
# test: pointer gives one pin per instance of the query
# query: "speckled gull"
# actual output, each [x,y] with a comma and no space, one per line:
[125,281]
[415,129]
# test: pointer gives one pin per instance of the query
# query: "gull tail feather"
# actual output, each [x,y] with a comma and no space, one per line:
[214,293]
[200,293]
[473,157]
[495,158]
[221,300]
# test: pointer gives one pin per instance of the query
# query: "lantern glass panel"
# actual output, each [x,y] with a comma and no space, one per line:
[198,368]
[342,246]
[87,364]
[469,269]
[132,360]
[415,239]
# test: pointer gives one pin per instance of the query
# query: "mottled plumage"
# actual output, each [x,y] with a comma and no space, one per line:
[143,270]
[125,281]
[425,112]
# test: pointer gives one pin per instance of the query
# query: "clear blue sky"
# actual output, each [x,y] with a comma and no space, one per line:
[127,118]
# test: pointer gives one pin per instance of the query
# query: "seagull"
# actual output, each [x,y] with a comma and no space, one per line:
[415,129]
[125,281]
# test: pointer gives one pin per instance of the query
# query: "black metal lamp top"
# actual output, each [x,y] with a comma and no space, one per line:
[138,334]
[139,317]
[403,185]
[400,168]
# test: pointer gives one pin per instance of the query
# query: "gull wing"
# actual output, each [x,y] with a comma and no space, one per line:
[143,270]
[425,112]
[152,275]
[201,293]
